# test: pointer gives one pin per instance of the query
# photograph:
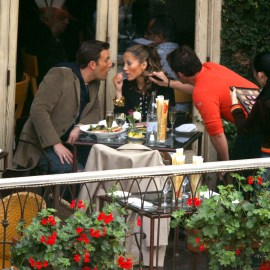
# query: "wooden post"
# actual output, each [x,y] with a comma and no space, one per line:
[8,49]
[207,46]
[113,39]
[107,30]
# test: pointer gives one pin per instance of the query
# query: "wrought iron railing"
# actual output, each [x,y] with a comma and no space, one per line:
[140,190]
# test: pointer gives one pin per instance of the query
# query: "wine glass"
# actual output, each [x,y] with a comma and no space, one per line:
[109,122]
[172,117]
[120,119]
[166,189]
[184,195]
[131,31]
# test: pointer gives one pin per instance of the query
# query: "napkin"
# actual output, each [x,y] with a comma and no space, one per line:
[186,128]
[207,194]
[103,122]
[138,202]
[182,139]
[142,41]
[120,193]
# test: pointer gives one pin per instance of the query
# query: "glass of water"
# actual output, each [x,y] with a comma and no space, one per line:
[120,119]
[167,187]
[109,122]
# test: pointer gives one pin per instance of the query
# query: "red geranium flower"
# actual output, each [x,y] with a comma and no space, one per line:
[189,202]
[125,264]
[83,238]
[265,266]
[196,202]
[198,240]
[31,261]
[250,180]
[259,180]
[79,230]
[202,247]
[95,233]
[77,257]
[51,220]
[237,252]
[44,222]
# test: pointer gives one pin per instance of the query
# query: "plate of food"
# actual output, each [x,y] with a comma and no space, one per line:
[135,135]
[101,131]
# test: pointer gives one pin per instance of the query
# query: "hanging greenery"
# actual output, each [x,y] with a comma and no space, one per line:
[245,32]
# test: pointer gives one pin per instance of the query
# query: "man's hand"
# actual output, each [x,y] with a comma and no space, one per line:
[163,80]
[63,153]
[74,135]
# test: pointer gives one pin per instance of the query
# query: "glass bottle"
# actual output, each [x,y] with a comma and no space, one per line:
[152,119]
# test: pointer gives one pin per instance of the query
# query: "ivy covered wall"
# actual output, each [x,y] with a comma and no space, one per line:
[245,32]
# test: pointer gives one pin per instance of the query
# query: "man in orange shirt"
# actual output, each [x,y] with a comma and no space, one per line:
[211,92]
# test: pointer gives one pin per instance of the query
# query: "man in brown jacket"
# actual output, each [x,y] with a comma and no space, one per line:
[67,98]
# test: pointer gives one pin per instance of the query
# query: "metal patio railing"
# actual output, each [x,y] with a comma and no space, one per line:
[141,191]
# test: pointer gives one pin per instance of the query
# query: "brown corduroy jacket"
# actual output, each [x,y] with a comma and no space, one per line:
[55,108]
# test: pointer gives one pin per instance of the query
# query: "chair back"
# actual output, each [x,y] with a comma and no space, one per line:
[30,66]
[12,172]
[21,206]
[21,95]
[182,96]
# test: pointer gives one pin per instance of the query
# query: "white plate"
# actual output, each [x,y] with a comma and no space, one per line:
[187,128]
[85,128]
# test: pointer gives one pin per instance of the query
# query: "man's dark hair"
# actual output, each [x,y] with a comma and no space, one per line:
[90,51]
[184,60]
[164,25]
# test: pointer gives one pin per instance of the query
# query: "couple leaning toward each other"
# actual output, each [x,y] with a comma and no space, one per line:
[68,97]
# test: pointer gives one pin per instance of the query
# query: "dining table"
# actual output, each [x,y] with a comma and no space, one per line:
[179,140]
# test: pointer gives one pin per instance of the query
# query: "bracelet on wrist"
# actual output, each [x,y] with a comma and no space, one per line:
[120,102]
[169,81]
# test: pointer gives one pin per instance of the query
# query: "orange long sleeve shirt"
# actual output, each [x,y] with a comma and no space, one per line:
[211,95]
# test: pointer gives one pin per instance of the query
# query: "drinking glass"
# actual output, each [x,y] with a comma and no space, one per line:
[109,122]
[166,189]
[131,31]
[184,195]
[120,119]
[172,117]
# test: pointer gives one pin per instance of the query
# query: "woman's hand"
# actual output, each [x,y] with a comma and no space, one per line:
[63,153]
[118,84]
[234,98]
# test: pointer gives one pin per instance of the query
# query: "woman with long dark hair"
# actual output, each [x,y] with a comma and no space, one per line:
[259,117]
[134,92]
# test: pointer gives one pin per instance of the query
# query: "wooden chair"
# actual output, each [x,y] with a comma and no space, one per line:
[21,206]
[12,172]
[21,95]
[182,96]
[30,66]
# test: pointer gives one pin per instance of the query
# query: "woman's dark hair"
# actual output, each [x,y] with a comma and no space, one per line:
[150,55]
[90,51]
[184,60]
[261,62]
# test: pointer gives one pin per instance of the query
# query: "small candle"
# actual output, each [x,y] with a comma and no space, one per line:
[179,151]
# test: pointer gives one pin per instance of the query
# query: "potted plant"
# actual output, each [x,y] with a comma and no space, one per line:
[230,227]
[83,241]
